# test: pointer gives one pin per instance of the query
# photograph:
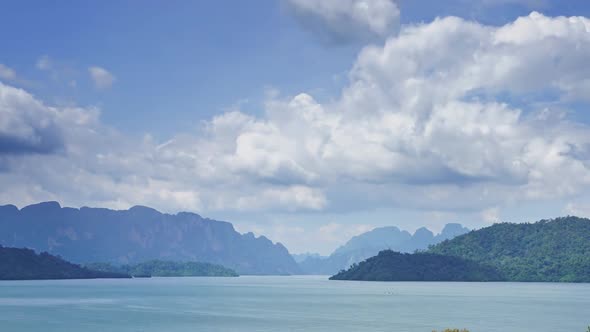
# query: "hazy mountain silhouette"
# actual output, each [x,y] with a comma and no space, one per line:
[139,234]
[369,244]
[301,257]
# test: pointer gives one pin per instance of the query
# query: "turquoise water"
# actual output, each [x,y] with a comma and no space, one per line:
[289,304]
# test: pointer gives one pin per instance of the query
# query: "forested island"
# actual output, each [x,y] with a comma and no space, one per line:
[555,250]
[159,268]
[389,265]
[369,244]
[25,264]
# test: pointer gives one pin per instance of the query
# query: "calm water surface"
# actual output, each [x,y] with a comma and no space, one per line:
[289,304]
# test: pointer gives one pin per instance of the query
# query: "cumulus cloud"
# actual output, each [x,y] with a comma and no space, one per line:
[26,125]
[101,77]
[67,154]
[491,215]
[7,73]
[285,199]
[341,21]
[580,209]
[450,115]
[44,63]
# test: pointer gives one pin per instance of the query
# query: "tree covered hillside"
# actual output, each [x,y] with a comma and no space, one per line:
[369,244]
[548,250]
[25,264]
[394,266]
[159,268]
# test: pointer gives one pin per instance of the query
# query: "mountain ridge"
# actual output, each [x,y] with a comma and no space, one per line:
[550,250]
[87,235]
[368,244]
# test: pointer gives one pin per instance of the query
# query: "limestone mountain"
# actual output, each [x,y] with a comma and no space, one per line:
[371,243]
[88,235]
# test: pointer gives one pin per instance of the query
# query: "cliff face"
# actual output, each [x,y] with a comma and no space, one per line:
[130,236]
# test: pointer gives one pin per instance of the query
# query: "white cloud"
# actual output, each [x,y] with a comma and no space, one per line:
[44,63]
[60,72]
[348,20]
[7,73]
[450,115]
[26,125]
[491,215]
[334,232]
[101,77]
[288,198]
[579,209]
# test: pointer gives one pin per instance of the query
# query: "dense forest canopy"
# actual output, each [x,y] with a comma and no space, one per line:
[555,250]
[548,250]
[394,266]
[25,264]
[159,268]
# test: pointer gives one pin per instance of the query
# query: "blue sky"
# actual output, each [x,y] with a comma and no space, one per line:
[175,64]
[180,63]
[307,121]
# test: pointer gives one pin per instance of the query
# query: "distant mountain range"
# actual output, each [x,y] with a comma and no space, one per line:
[89,235]
[371,243]
[25,264]
[555,250]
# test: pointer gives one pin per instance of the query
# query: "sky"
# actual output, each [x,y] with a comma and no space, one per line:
[305,121]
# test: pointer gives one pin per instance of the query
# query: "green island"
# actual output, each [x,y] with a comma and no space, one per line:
[389,265]
[161,268]
[25,264]
[556,250]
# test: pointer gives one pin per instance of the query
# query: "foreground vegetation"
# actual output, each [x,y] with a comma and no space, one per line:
[25,264]
[158,268]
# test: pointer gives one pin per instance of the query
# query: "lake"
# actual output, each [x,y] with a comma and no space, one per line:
[294,303]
